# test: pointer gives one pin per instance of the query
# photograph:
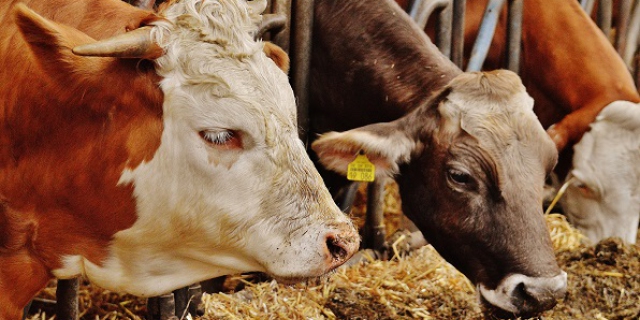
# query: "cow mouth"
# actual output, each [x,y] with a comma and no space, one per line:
[492,312]
[289,281]
[526,306]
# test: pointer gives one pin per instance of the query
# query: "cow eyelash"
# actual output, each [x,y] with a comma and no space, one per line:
[459,177]
[217,137]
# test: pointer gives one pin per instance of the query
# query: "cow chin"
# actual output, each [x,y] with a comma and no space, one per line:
[522,296]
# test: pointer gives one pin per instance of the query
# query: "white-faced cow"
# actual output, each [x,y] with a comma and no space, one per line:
[471,155]
[154,166]
[603,196]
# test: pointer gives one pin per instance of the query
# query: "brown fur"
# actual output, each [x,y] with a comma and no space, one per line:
[278,56]
[380,68]
[568,66]
[68,126]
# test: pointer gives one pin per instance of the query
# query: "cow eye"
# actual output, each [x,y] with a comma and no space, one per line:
[585,190]
[227,139]
[459,177]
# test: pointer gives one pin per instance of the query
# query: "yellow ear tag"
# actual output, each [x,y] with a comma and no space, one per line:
[361,169]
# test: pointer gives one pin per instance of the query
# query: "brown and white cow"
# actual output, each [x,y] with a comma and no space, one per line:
[146,175]
[572,71]
[470,153]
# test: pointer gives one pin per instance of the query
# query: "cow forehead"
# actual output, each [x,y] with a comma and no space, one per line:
[213,68]
[508,132]
[504,125]
[611,148]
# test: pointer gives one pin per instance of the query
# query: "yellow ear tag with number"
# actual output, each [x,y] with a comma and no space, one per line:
[361,169]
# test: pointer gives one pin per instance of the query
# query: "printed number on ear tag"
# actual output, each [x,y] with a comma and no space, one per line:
[361,169]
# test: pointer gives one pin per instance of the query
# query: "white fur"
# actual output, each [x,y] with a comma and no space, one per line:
[204,211]
[503,295]
[603,199]
[386,152]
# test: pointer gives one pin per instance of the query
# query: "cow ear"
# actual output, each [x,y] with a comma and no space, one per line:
[386,145]
[279,56]
[51,42]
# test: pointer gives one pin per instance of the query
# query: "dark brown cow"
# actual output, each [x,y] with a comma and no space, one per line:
[573,72]
[469,150]
[568,66]
[156,164]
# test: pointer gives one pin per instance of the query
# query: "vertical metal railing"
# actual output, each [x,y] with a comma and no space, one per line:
[421,10]
[457,32]
[514,34]
[67,299]
[374,230]
[302,33]
[487,32]
[604,16]
[633,36]
[485,35]
[622,25]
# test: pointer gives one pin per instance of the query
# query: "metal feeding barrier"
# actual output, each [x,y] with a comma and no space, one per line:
[487,31]
[626,23]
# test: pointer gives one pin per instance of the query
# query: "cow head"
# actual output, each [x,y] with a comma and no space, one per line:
[603,197]
[472,164]
[224,184]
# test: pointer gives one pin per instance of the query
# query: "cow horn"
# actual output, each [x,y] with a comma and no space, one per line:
[257,6]
[133,44]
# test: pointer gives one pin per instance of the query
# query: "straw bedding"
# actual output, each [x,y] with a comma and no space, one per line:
[604,283]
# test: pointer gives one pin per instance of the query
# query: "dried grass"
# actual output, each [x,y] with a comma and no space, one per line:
[604,283]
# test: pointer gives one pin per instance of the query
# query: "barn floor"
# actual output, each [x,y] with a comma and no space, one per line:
[604,283]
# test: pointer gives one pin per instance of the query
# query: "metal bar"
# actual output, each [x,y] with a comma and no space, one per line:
[181,301]
[485,35]
[622,25]
[25,311]
[633,33]
[605,13]
[587,6]
[457,32]
[302,24]
[282,36]
[374,232]
[195,298]
[67,299]
[271,22]
[421,10]
[348,195]
[637,71]
[167,307]
[514,35]
[443,30]
[153,308]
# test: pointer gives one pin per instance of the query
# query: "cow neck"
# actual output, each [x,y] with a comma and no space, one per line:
[380,68]
[65,139]
[575,76]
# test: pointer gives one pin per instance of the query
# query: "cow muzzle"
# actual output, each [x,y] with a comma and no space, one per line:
[522,296]
[340,247]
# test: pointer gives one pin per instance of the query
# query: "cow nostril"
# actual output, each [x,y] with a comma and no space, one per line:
[533,298]
[336,248]
[520,291]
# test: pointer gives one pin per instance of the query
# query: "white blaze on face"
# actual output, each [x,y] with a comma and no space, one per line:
[231,188]
[603,197]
